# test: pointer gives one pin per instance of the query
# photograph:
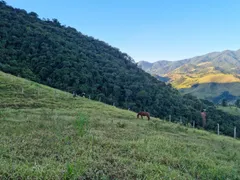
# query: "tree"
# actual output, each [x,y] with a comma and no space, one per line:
[56,22]
[224,102]
[237,103]
[3,2]
[33,14]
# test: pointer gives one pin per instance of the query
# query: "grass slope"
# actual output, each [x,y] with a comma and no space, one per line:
[230,109]
[187,81]
[207,86]
[213,90]
[46,133]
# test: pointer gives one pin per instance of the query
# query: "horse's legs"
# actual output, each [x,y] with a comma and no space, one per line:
[142,117]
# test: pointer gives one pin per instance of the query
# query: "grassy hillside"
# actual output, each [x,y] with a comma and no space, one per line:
[187,81]
[230,109]
[214,92]
[46,133]
[210,86]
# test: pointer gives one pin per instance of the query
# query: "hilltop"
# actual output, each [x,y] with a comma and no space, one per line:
[46,133]
[226,61]
[209,76]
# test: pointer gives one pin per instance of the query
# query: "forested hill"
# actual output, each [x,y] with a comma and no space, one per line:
[58,56]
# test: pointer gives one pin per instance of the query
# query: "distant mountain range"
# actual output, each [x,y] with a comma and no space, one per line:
[213,76]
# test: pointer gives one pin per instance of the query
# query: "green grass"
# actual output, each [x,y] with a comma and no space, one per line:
[230,109]
[48,134]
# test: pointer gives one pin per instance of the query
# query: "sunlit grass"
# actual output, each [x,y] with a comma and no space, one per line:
[48,134]
[188,81]
[230,109]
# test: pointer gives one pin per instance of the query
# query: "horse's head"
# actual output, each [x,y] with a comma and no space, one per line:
[138,115]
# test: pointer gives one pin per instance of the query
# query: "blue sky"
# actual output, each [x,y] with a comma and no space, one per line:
[149,30]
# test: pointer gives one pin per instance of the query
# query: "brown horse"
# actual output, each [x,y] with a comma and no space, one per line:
[142,113]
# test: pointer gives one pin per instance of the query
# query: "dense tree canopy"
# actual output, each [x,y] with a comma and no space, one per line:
[58,56]
[237,103]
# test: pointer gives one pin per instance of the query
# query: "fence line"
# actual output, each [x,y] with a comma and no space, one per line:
[165,118]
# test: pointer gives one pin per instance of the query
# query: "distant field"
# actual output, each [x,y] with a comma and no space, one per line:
[48,134]
[219,78]
[232,110]
[185,81]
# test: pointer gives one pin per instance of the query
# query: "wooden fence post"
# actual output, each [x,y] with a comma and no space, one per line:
[218,129]
[235,132]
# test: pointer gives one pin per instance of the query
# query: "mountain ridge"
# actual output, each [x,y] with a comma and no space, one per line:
[213,56]
[214,67]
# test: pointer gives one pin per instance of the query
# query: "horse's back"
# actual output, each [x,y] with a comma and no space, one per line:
[144,113]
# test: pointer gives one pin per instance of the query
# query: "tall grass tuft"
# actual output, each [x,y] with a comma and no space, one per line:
[82,124]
